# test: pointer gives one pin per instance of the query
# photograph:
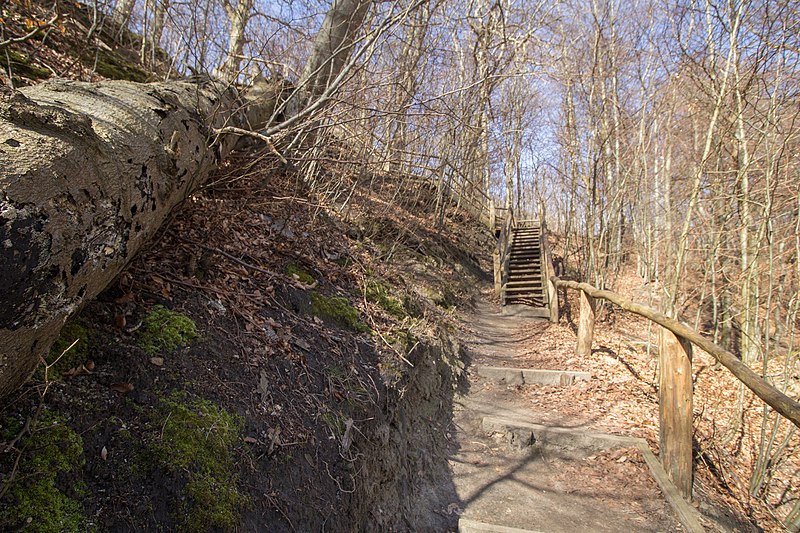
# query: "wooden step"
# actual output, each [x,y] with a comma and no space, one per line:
[525,286]
[524,292]
[525,301]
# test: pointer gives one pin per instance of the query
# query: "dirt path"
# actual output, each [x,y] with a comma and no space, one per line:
[513,478]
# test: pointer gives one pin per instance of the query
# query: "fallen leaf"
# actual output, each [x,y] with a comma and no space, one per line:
[124,299]
[119,321]
[122,387]
[250,440]
[302,344]
[89,365]
[158,361]
[104,453]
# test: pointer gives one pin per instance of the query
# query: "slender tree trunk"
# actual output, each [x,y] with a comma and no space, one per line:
[333,45]
[238,16]
[121,14]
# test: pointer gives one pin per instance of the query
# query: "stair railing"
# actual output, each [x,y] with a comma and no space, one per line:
[675,377]
[502,252]
[548,271]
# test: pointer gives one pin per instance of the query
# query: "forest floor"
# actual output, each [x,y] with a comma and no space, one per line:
[323,371]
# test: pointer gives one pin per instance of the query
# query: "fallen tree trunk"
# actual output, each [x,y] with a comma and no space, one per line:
[90,171]
[88,174]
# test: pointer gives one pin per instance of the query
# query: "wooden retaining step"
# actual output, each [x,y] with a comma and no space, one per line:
[472,526]
[530,376]
[514,308]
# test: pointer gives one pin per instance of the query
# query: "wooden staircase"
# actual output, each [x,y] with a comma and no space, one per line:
[525,283]
[524,280]
[523,269]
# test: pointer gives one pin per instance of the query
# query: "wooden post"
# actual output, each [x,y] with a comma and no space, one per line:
[552,300]
[585,325]
[675,409]
[498,272]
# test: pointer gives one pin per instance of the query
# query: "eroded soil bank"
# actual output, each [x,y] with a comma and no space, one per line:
[267,365]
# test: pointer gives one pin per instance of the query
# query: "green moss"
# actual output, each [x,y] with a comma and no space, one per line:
[402,341]
[196,439]
[337,310]
[379,294]
[36,500]
[110,65]
[10,428]
[334,421]
[166,331]
[60,359]
[21,66]
[444,297]
[302,276]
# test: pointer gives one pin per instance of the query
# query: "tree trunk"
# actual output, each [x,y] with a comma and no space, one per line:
[90,171]
[238,15]
[89,174]
[333,45]
[122,12]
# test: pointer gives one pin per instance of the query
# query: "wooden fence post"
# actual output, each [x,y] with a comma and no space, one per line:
[498,272]
[552,300]
[675,409]
[585,325]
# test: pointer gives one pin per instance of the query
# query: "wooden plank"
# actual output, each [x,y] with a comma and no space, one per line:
[688,515]
[585,325]
[675,409]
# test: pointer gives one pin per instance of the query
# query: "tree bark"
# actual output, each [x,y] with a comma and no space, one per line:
[89,174]
[585,325]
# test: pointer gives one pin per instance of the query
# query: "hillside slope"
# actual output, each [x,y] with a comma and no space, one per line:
[271,362]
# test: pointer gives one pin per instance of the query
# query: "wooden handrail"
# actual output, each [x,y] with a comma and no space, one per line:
[502,254]
[782,403]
